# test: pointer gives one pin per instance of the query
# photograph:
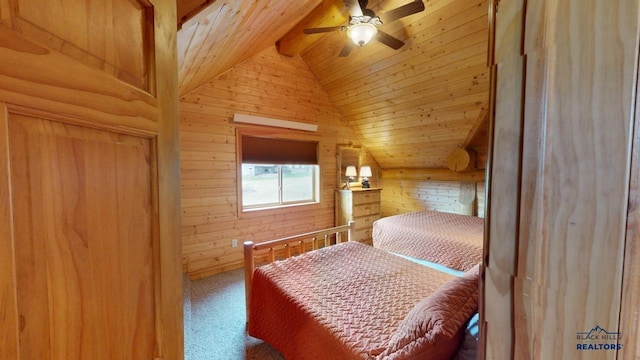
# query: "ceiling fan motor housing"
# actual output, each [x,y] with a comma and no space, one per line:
[363,24]
[365,19]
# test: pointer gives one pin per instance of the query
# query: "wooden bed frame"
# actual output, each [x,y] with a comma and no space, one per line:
[253,251]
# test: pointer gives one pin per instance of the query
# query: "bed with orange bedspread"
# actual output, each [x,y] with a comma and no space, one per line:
[353,301]
[452,240]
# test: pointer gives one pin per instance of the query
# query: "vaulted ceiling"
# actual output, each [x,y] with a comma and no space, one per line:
[411,107]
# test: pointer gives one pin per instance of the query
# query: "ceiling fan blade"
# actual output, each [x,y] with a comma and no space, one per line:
[322,29]
[346,50]
[389,40]
[404,10]
[353,7]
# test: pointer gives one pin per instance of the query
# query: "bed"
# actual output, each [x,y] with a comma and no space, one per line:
[353,301]
[452,240]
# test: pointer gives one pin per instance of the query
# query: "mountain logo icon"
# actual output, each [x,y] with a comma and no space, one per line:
[598,333]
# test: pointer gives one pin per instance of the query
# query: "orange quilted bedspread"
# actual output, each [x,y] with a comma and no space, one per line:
[341,302]
[451,240]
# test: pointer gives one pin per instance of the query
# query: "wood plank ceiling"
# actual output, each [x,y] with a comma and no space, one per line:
[411,107]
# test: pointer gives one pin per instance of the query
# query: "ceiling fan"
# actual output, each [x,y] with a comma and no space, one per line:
[363,24]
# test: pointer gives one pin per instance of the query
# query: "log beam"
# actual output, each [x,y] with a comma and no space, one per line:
[433,174]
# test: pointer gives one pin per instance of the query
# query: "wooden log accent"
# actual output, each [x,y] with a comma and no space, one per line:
[251,250]
[467,198]
[433,174]
[461,160]
[328,13]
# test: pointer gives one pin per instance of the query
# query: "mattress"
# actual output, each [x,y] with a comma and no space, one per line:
[451,240]
[351,301]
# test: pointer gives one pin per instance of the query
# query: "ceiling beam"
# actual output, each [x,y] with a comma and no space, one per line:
[479,129]
[188,9]
[328,13]
[433,174]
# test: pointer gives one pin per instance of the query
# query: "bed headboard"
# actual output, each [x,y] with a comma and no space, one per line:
[251,250]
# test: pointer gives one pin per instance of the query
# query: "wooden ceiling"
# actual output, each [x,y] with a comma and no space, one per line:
[411,107]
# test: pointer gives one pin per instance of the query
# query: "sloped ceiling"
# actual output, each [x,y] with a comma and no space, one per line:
[222,34]
[411,107]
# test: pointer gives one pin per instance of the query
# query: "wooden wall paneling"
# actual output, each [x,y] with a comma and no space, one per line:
[433,174]
[446,49]
[210,208]
[206,57]
[631,281]
[436,23]
[86,268]
[531,256]
[113,36]
[585,115]
[435,76]
[388,122]
[481,198]
[169,306]
[569,257]
[504,188]
[103,100]
[5,12]
[406,195]
[46,83]
[186,9]
[9,331]
[465,91]
[328,13]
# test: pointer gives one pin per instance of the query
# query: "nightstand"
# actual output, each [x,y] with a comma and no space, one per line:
[359,205]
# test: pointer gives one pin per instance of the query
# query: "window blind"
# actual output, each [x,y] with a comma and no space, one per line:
[262,150]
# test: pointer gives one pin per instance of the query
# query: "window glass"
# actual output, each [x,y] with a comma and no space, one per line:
[298,183]
[273,185]
[260,184]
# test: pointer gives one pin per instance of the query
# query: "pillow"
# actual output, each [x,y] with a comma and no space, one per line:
[434,328]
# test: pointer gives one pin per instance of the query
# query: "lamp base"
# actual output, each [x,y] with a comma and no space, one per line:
[365,183]
[350,179]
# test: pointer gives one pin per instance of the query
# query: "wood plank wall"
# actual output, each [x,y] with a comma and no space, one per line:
[403,195]
[89,174]
[562,239]
[406,195]
[413,106]
[267,85]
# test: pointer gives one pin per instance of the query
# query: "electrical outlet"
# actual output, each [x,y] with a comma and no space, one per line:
[234,243]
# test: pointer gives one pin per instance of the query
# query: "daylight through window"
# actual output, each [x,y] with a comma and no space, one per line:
[269,185]
[278,172]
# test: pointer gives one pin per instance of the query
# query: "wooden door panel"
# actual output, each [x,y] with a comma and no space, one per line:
[112,35]
[81,202]
[562,223]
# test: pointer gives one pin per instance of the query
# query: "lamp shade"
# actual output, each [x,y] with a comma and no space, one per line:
[365,171]
[361,33]
[351,171]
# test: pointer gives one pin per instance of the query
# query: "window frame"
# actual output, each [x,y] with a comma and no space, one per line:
[281,203]
[242,210]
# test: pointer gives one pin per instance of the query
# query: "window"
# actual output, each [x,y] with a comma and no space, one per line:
[269,185]
[278,172]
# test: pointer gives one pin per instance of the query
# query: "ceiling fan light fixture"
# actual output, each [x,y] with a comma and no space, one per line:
[361,33]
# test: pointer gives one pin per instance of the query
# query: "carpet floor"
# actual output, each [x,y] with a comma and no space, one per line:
[215,320]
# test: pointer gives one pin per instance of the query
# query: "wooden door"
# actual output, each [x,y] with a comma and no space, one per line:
[561,277]
[90,255]
[81,203]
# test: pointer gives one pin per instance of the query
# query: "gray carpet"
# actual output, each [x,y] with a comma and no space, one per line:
[214,317]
